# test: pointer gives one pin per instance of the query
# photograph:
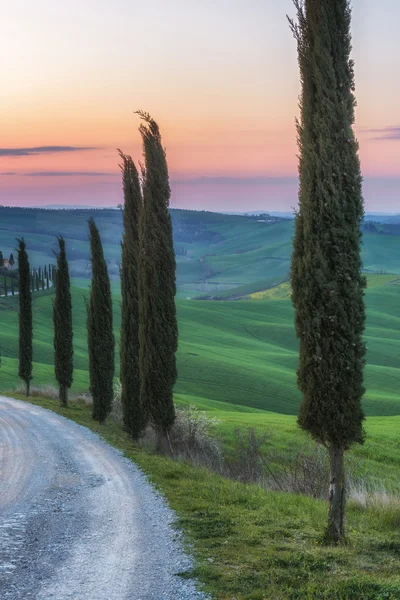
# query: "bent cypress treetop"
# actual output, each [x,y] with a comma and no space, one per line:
[158,329]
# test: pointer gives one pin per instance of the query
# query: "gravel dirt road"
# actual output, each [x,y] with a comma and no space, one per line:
[78,520]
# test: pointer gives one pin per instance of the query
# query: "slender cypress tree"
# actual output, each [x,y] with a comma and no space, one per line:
[101,343]
[25,317]
[63,332]
[12,287]
[328,286]
[158,330]
[5,287]
[135,418]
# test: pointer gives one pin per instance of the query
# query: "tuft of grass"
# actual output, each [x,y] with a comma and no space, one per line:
[250,544]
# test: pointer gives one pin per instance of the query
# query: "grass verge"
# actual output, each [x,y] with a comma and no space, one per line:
[250,544]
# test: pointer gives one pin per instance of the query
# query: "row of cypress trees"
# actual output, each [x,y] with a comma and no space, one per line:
[99,325]
[149,331]
[62,319]
[99,328]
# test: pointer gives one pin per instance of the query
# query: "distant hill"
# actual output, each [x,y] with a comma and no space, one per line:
[218,255]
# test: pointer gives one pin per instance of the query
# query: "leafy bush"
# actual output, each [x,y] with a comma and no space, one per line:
[191,437]
[116,409]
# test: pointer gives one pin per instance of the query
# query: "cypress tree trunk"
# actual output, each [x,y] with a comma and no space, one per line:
[135,419]
[158,330]
[63,395]
[335,530]
[5,287]
[25,317]
[327,282]
[63,332]
[101,341]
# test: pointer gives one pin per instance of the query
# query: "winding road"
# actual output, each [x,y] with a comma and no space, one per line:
[78,520]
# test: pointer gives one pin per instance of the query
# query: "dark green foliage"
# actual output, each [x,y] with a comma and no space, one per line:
[25,317]
[63,331]
[12,287]
[5,287]
[1,259]
[326,269]
[11,260]
[134,417]
[158,330]
[101,343]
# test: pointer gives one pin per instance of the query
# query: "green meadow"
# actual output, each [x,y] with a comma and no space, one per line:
[238,353]
[237,361]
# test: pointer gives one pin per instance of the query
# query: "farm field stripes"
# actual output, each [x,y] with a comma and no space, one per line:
[243,353]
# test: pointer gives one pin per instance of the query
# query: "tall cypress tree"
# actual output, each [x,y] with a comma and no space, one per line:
[25,316]
[63,331]
[158,330]
[5,287]
[134,415]
[101,343]
[328,286]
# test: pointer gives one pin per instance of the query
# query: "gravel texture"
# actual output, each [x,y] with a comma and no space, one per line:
[78,520]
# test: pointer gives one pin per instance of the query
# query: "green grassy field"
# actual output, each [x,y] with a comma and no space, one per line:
[241,353]
[237,361]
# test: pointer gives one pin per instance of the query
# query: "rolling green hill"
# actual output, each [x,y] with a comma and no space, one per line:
[232,355]
[218,256]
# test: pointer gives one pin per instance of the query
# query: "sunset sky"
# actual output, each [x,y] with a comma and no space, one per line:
[220,77]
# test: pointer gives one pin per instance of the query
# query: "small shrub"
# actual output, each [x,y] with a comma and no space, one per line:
[372,497]
[254,460]
[48,391]
[116,408]
[51,392]
[82,398]
[191,437]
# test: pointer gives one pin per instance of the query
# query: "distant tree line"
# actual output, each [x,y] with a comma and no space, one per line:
[41,279]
